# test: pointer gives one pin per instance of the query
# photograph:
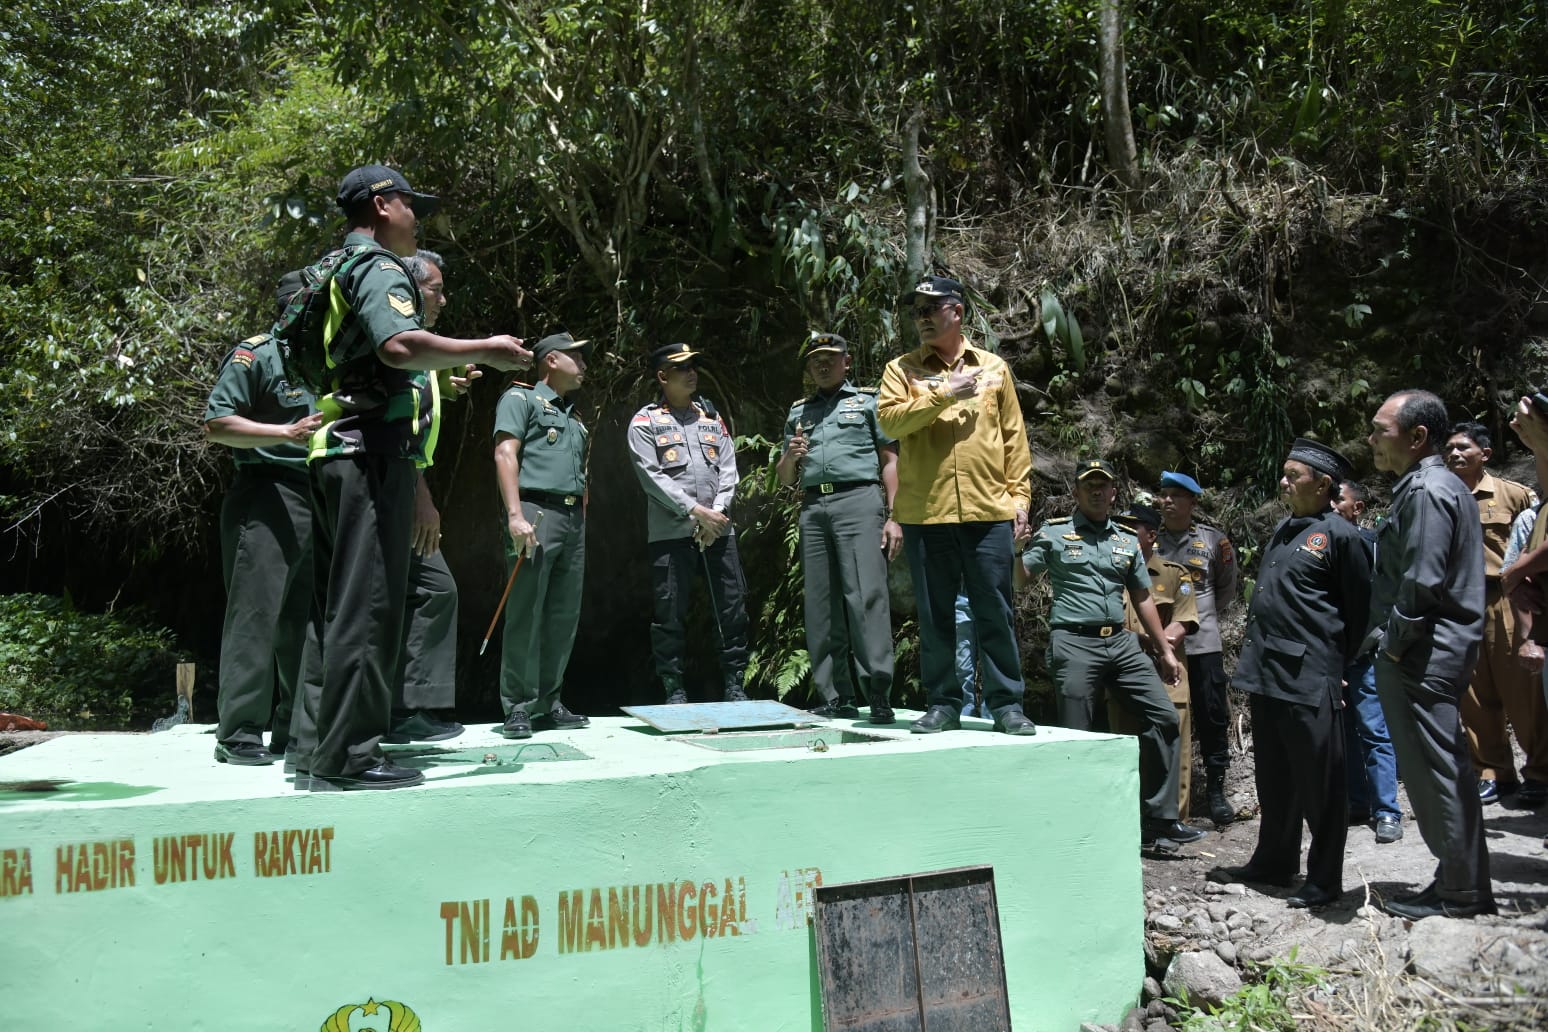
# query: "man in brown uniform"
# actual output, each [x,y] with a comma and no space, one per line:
[1172,591]
[1501,687]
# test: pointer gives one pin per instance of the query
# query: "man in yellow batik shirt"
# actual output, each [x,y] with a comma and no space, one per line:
[964,490]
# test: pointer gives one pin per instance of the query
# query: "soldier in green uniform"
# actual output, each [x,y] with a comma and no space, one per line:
[381,415]
[266,543]
[540,460]
[847,469]
[1091,561]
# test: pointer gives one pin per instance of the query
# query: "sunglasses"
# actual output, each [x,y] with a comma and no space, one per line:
[924,311]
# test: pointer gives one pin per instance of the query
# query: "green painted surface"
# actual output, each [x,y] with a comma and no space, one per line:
[652,885]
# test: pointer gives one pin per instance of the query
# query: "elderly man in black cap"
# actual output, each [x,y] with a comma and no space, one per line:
[1304,626]
[686,462]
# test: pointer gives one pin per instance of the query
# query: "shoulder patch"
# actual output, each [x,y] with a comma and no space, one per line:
[1056,520]
[256,339]
[242,356]
[1227,553]
[386,266]
[402,305]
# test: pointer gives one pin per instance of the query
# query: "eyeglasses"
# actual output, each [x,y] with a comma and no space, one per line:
[928,309]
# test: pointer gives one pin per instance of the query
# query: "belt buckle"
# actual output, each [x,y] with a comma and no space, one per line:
[569,501]
[825,488]
[1106,631]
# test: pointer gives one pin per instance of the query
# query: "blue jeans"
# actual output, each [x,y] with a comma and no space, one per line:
[972,559]
[967,661]
[1372,763]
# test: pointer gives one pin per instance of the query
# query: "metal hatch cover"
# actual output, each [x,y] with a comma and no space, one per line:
[710,717]
[916,953]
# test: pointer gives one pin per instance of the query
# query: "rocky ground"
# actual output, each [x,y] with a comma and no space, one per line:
[1383,973]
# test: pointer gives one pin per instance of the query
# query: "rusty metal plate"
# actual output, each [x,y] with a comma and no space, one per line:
[917,953]
[722,716]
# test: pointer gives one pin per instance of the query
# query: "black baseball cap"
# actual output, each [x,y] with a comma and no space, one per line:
[1137,514]
[934,286]
[368,181]
[559,342]
[1095,468]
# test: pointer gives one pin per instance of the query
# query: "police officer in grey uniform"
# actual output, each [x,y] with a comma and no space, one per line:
[266,543]
[1304,626]
[1427,624]
[1211,561]
[541,447]
[1091,560]
[847,470]
[686,462]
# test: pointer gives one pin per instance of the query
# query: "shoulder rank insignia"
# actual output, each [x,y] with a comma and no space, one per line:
[402,305]
[1194,560]
[1071,536]
[256,340]
[242,356]
[1197,544]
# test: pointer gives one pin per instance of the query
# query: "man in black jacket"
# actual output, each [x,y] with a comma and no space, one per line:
[1427,620]
[1305,624]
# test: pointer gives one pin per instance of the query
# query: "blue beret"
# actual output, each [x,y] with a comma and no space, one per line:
[1182,480]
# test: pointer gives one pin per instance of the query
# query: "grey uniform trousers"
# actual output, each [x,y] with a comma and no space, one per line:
[1432,753]
[848,615]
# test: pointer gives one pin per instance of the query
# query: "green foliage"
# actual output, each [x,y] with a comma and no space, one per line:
[79,670]
[1262,1006]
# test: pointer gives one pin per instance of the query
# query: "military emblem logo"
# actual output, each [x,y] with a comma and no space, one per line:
[386,1016]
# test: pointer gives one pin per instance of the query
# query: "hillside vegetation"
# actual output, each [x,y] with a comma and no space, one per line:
[1325,201]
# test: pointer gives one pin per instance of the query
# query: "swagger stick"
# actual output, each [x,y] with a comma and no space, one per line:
[508,585]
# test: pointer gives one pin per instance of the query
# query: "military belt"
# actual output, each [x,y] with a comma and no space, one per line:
[564,501]
[1099,630]
[835,487]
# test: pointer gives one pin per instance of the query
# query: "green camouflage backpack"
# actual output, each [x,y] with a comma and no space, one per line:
[319,312]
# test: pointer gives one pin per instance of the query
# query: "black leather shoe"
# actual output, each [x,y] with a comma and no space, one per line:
[382,776]
[1310,895]
[559,719]
[420,726]
[838,709]
[517,725]
[1533,793]
[938,718]
[1014,722]
[1248,875]
[881,711]
[1154,832]
[244,754]
[1389,829]
[1435,906]
[1220,809]
[1428,894]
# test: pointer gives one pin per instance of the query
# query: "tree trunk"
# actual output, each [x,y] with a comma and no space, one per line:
[1117,124]
[920,225]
